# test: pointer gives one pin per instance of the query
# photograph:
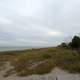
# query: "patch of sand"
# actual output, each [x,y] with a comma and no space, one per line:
[56,74]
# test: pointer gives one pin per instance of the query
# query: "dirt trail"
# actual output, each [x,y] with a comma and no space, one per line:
[56,74]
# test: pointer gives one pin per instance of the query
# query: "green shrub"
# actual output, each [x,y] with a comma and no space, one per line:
[75,42]
[46,56]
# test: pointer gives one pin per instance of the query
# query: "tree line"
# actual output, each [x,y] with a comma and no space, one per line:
[74,43]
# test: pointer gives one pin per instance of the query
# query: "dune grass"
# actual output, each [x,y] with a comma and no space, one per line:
[42,61]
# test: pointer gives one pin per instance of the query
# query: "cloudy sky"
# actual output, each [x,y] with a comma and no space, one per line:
[38,22]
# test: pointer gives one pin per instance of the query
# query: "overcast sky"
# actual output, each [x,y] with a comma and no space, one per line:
[38,22]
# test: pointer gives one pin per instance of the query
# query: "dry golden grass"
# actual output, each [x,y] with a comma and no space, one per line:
[54,57]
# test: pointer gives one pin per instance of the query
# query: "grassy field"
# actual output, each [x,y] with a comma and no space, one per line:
[41,61]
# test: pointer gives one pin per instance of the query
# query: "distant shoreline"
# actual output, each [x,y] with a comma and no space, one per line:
[3,49]
[12,49]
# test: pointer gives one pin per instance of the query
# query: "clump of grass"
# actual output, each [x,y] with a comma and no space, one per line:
[46,56]
[44,68]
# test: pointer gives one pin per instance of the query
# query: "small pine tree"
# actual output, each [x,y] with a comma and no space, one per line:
[75,42]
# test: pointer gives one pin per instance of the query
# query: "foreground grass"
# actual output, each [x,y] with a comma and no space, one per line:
[41,61]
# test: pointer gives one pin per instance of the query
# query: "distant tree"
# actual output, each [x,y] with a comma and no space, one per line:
[75,42]
[70,44]
[63,45]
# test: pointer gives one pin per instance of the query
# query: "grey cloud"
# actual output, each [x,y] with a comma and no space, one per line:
[28,22]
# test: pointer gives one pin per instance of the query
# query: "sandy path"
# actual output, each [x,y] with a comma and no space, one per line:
[60,74]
